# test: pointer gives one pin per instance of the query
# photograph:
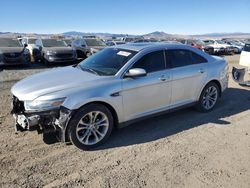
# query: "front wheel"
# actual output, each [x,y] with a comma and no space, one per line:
[208,97]
[91,126]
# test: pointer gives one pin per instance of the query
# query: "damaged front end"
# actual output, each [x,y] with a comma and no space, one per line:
[48,121]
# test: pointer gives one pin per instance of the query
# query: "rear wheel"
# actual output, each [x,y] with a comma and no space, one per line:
[91,126]
[208,97]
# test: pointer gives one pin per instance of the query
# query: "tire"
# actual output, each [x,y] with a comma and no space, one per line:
[45,61]
[208,98]
[85,132]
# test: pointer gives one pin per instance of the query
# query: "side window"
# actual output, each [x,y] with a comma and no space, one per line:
[83,43]
[38,43]
[197,59]
[180,58]
[24,41]
[76,42]
[151,62]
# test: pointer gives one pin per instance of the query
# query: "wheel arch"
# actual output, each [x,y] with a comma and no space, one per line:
[217,82]
[107,105]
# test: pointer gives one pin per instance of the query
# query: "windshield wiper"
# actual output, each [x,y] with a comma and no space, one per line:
[89,70]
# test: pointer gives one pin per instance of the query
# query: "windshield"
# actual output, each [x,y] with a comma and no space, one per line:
[67,42]
[94,42]
[199,42]
[6,42]
[32,41]
[53,43]
[220,42]
[208,42]
[108,61]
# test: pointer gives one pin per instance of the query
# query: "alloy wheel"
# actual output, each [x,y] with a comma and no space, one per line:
[92,127]
[210,97]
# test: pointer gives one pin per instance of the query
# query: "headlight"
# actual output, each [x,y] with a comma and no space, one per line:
[41,105]
[49,52]
[93,50]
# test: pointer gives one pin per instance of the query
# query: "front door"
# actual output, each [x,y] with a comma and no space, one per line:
[148,94]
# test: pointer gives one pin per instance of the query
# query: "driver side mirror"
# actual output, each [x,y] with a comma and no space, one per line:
[25,45]
[136,72]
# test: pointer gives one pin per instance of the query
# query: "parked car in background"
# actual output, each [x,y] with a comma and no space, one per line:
[12,52]
[218,47]
[115,87]
[114,43]
[145,40]
[237,46]
[199,44]
[245,57]
[85,47]
[238,75]
[55,51]
[31,46]
[132,39]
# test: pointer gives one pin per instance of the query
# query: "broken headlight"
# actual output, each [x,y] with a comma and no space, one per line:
[42,105]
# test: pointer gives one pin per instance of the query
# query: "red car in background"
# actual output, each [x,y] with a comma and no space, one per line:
[194,43]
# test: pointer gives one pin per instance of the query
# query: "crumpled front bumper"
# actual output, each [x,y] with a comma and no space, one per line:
[43,122]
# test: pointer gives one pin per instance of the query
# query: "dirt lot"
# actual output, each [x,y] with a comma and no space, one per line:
[181,149]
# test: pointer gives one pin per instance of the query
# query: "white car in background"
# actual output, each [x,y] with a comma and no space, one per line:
[245,57]
[219,47]
[30,41]
[239,74]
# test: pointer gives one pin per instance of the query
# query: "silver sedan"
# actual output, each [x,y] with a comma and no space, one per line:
[117,86]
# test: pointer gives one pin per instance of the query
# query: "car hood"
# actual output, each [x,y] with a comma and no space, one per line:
[58,49]
[51,81]
[11,49]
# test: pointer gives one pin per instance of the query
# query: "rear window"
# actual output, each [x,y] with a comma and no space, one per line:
[181,58]
[247,47]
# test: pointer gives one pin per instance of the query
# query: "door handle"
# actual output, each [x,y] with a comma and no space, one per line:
[201,71]
[164,78]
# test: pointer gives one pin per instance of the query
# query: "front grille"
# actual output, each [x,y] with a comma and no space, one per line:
[17,105]
[64,55]
[12,55]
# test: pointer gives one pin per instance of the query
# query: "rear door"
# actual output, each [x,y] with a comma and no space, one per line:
[189,72]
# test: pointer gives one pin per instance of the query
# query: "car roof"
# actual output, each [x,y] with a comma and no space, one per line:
[147,45]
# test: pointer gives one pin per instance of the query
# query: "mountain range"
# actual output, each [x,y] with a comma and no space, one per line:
[163,35]
[156,35]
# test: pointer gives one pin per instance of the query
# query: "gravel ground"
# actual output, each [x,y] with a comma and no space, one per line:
[181,149]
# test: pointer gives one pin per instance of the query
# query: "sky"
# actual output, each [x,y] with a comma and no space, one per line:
[125,16]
